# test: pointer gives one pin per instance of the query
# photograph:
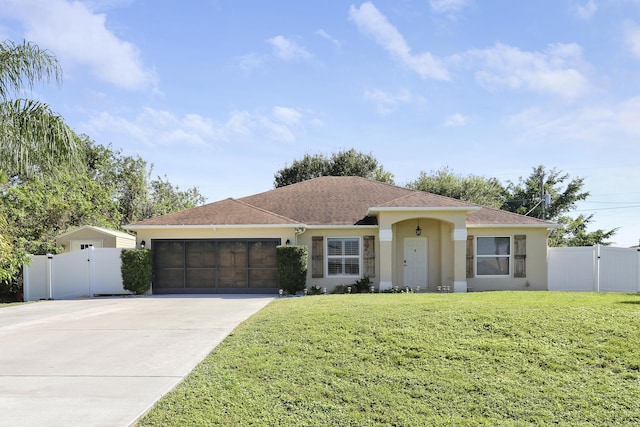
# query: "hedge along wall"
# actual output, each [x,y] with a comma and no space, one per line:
[136,270]
[292,263]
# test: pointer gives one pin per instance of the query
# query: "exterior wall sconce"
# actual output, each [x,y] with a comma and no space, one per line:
[288,242]
[143,244]
[418,229]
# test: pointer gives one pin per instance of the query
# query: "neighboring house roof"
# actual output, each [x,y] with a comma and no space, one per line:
[331,201]
[100,230]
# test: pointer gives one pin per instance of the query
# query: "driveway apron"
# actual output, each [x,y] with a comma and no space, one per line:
[105,361]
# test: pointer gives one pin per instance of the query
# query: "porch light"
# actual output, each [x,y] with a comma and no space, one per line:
[418,229]
[143,244]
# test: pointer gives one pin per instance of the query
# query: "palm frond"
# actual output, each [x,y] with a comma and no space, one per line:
[24,65]
[33,138]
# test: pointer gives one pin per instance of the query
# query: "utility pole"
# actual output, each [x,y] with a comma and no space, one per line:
[544,201]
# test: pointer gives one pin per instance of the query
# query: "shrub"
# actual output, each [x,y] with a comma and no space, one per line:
[136,270]
[292,263]
[316,290]
[362,285]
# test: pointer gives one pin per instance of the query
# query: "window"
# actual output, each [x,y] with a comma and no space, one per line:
[493,256]
[343,256]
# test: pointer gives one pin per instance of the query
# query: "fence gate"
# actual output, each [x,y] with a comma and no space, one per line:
[594,269]
[75,274]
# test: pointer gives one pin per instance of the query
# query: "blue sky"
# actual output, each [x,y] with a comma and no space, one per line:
[220,94]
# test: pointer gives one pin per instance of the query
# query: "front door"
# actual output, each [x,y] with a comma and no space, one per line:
[415,262]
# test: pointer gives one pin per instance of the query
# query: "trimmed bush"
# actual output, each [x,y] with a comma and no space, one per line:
[292,263]
[136,270]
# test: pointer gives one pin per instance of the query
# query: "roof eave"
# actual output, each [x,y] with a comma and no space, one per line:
[547,226]
[466,209]
[340,227]
[135,227]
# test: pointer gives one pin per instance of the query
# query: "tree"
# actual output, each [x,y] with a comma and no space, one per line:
[107,189]
[526,197]
[472,188]
[574,233]
[165,198]
[33,140]
[343,163]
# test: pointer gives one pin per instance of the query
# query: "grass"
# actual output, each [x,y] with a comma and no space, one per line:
[495,359]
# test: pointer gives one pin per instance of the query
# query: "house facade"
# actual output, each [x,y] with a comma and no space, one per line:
[353,227]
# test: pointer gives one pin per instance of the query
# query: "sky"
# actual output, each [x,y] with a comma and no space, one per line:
[221,94]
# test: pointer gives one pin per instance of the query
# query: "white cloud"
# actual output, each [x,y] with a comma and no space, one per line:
[447,6]
[277,131]
[602,124]
[77,35]
[556,70]
[456,120]
[288,116]
[152,127]
[322,33]
[288,50]
[587,10]
[250,61]
[372,23]
[632,38]
[385,101]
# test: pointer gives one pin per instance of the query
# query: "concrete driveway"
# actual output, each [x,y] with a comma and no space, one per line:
[105,361]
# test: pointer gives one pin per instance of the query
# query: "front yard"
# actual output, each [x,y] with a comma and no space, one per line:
[496,358]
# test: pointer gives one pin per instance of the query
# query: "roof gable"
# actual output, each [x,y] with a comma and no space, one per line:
[420,199]
[224,212]
[100,230]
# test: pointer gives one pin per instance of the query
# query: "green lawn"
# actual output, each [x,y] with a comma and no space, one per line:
[495,358]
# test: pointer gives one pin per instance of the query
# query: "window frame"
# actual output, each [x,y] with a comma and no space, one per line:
[328,257]
[479,257]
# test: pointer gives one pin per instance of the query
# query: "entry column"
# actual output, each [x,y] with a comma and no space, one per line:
[386,258]
[459,260]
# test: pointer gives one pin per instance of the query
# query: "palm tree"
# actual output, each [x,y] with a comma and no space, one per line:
[33,139]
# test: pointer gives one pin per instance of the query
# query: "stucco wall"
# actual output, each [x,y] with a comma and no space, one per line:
[536,261]
[331,282]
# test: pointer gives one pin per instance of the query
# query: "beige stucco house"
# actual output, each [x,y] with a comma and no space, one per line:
[353,228]
[98,237]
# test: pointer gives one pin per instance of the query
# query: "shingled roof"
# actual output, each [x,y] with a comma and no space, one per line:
[328,200]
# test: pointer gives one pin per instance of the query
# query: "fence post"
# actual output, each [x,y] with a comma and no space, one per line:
[50,276]
[26,281]
[92,274]
[638,271]
[597,267]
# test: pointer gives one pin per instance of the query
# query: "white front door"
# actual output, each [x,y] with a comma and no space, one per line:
[415,262]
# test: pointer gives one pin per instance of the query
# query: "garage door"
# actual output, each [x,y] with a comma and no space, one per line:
[214,266]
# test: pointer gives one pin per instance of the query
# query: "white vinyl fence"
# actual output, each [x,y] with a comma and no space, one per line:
[84,273]
[594,269]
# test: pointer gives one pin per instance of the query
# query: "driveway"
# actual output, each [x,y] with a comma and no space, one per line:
[105,361]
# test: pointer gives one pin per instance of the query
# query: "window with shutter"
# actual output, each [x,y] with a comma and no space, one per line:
[520,255]
[317,257]
[469,256]
[369,255]
[343,256]
[493,256]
